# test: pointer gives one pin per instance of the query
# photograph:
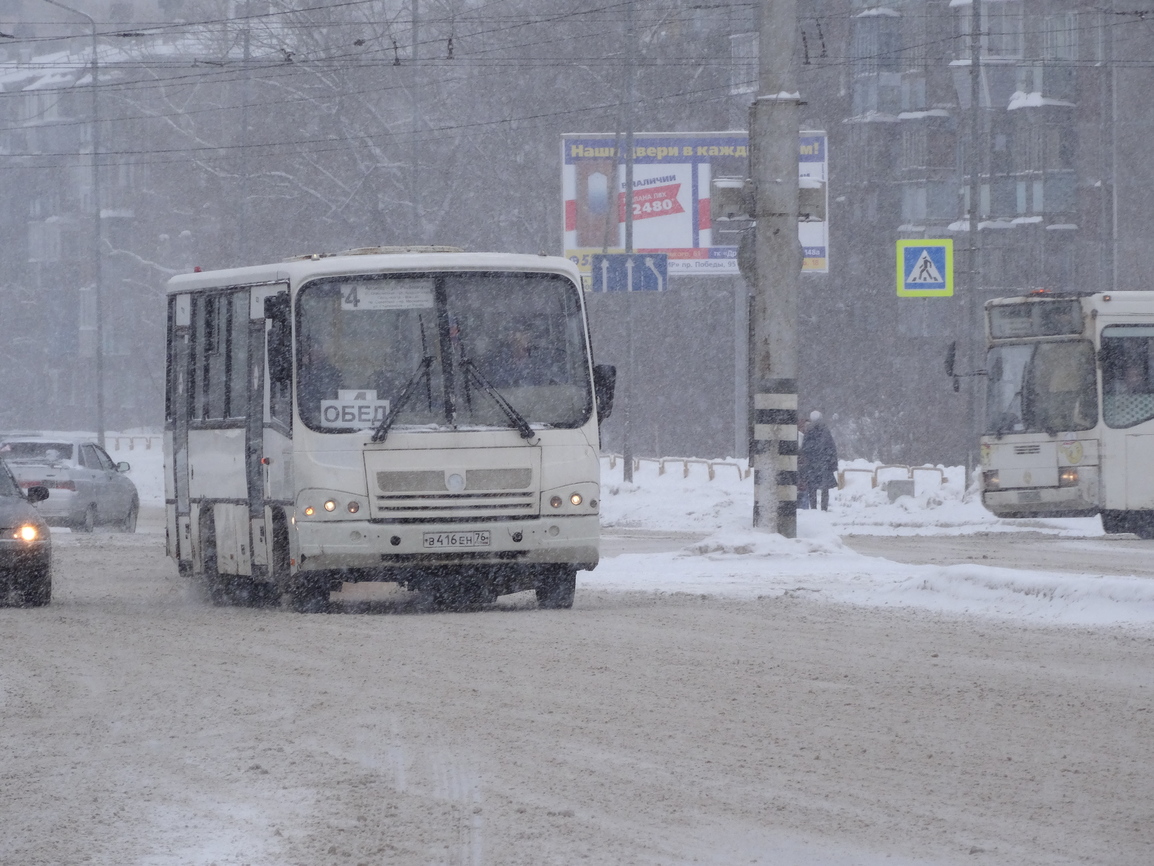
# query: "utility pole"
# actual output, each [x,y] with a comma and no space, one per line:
[97,233]
[773,351]
[627,432]
[415,143]
[972,307]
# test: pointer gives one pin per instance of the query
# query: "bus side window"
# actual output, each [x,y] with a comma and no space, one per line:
[280,366]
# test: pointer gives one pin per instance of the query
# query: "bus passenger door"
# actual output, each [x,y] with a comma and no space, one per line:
[176,504]
[1139,472]
[270,429]
[218,377]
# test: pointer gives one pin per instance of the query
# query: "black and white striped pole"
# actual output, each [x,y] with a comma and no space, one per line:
[774,127]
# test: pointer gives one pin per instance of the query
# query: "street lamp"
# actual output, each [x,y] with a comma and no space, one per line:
[97,234]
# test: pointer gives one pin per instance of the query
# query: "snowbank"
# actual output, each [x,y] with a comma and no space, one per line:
[734,560]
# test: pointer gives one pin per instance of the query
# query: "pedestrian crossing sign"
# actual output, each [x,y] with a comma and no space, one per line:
[925,268]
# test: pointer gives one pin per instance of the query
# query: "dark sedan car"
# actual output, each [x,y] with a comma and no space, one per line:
[25,545]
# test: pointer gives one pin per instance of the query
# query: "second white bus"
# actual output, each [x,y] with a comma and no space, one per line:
[1070,408]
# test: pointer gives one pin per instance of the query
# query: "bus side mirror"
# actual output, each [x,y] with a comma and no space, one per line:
[604,386]
[951,356]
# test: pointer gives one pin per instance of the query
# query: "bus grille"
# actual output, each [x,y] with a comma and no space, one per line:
[1028,449]
[469,494]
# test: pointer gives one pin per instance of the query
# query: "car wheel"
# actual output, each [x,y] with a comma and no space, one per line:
[88,521]
[38,589]
[129,522]
[555,589]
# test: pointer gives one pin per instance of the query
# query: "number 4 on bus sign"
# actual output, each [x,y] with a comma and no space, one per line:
[925,268]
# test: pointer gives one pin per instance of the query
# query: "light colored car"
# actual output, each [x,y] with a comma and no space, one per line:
[85,488]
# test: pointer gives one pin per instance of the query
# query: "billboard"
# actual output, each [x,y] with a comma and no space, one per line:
[672,173]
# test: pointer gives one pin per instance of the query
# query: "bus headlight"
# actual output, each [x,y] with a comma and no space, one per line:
[990,479]
[575,499]
[1068,476]
[330,505]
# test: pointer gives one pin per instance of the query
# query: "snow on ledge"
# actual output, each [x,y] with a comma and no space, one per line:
[919,115]
[1035,100]
[872,117]
[880,10]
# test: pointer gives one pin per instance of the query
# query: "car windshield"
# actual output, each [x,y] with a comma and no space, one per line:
[7,485]
[1041,388]
[448,341]
[36,452]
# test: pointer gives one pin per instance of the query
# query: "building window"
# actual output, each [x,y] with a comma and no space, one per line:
[1001,26]
[743,69]
[1003,29]
[877,44]
[1060,36]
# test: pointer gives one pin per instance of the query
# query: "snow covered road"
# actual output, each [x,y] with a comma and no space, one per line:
[141,726]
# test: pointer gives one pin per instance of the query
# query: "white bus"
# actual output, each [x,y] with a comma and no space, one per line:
[1070,408]
[426,417]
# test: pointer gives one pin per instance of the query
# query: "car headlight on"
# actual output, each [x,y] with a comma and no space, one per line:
[1068,476]
[27,532]
[990,479]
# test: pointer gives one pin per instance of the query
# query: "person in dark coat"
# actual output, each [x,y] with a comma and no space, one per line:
[817,461]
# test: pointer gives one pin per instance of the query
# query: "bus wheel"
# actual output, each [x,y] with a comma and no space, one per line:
[1142,524]
[214,582]
[555,588]
[1114,522]
[309,594]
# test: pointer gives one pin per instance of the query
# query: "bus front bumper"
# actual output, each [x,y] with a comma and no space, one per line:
[375,550]
[1040,502]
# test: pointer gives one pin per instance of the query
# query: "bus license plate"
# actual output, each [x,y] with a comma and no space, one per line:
[451,540]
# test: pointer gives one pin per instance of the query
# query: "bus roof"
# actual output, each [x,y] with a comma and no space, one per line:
[373,260]
[1130,299]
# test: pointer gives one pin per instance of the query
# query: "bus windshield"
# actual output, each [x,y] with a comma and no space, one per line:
[1045,387]
[452,342]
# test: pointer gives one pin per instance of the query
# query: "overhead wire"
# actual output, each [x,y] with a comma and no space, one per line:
[239,70]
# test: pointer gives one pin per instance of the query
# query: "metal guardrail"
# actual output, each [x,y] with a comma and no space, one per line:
[686,462]
[873,473]
[908,473]
[118,442]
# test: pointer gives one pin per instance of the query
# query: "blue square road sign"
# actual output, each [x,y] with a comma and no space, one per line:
[630,272]
[925,268]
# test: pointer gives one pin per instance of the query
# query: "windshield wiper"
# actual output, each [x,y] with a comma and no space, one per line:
[514,416]
[383,428]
